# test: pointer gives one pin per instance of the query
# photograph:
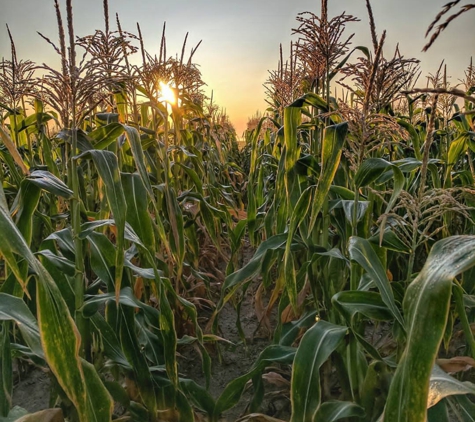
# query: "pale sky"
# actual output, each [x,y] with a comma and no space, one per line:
[241,37]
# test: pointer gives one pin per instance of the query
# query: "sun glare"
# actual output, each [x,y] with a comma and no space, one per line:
[168,94]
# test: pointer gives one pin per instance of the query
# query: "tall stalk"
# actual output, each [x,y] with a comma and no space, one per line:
[79,285]
[422,185]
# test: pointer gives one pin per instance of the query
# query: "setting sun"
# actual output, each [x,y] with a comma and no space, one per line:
[168,94]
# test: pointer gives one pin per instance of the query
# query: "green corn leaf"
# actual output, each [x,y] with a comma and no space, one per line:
[362,252]
[16,177]
[190,309]
[29,199]
[343,192]
[103,136]
[298,214]
[10,145]
[390,240]
[443,385]
[126,298]
[183,408]
[137,209]
[14,309]
[290,277]
[291,330]
[108,168]
[335,410]
[252,268]
[133,137]
[50,183]
[168,331]
[98,399]
[193,175]
[292,119]
[408,164]
[465,408]
[368,304]
[63,264]
[109,340]
[102,257]
[349,206]
[426,306]
[35,119]
[372,168]
[175,217]
[84,142]
[118,393]
[137,359]
[198,396]
[315,348]
[312,99]
[233,391]
[415,137]
[59,335]
[64,239]
[457,147]
[334,138]
[6,370]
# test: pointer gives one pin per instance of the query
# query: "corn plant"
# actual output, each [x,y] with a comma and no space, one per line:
[103,186]
[356,203]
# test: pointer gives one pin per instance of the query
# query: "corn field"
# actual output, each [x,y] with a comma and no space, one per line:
[130,221]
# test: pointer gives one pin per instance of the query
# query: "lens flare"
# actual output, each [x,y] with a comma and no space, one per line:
[168,94]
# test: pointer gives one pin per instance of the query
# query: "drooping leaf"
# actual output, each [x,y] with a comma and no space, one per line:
[426,307]
[103,136]
[126,298]
[368,304]
[362,252]
[15,309]
[443,385]
[50,183]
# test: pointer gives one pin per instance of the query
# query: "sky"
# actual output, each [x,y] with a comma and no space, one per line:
[241,38]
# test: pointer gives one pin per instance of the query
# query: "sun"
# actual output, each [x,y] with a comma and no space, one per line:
[168,94]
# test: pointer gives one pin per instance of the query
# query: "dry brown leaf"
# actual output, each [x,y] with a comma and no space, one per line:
[276,379]
[288,313]
[460,333]
[389,275]
[238,214]
[132,389]
[48,415]
[456,364]
[138,287]
[168,415]
[260,309]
